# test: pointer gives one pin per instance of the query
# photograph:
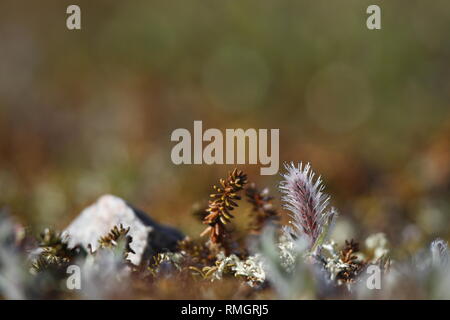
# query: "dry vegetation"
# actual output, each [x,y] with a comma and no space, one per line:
[267,260]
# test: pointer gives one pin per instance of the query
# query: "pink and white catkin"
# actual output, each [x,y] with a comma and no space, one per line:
[308,204]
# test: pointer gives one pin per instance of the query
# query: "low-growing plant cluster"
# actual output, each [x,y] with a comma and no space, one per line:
[271,260]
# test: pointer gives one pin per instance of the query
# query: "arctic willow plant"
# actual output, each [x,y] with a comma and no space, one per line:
[304,198]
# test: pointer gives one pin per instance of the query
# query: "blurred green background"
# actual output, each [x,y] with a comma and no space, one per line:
[83,113]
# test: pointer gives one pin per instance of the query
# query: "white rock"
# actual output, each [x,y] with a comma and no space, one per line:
[98,219]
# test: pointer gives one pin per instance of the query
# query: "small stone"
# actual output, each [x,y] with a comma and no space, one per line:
[149,237]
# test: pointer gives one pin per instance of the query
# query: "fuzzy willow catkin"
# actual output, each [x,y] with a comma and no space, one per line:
[303,196]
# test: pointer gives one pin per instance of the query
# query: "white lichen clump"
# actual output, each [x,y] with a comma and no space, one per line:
[252,268]
[377,245]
